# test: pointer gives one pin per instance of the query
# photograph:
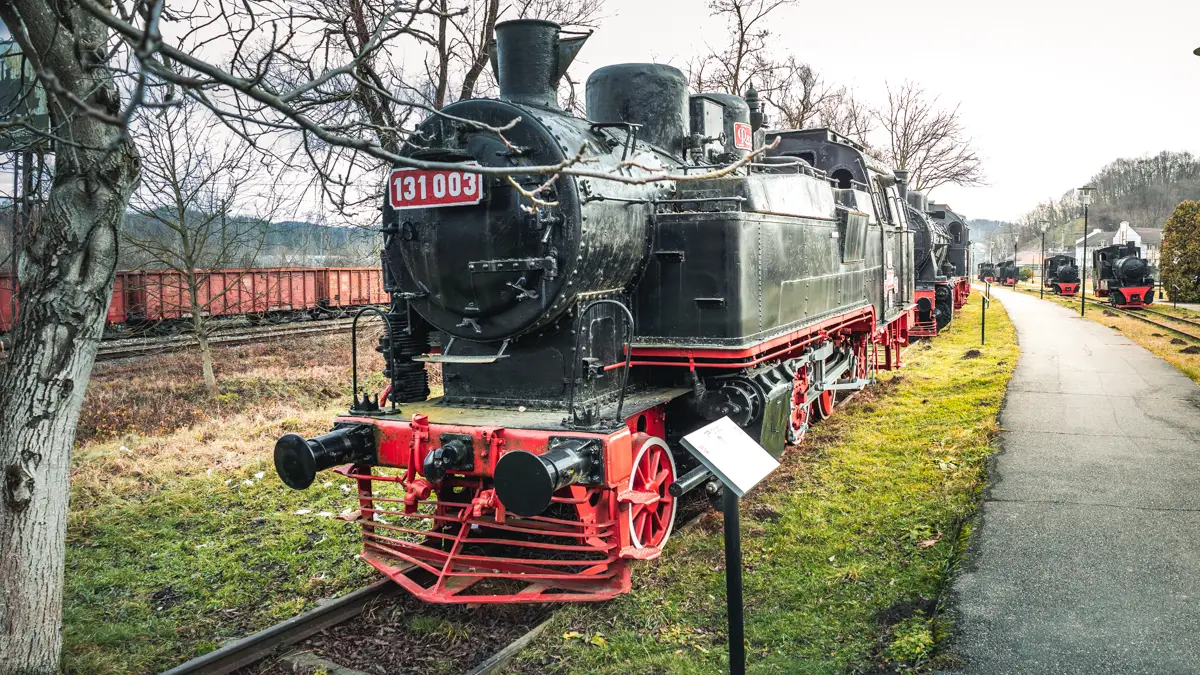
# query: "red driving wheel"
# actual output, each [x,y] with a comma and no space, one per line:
[650,523]
[801,407]
[824,405]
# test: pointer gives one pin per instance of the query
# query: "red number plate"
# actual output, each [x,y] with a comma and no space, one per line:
[743,137]
[420,188]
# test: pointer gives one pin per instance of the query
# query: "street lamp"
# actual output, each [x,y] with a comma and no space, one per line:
[1085,196]
[1016,268]
[1042,277]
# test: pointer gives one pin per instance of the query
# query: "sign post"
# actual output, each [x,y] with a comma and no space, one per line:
[740,463]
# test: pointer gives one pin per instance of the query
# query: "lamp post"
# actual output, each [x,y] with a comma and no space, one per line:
[1085,196]
[1042,276]
[1016,267]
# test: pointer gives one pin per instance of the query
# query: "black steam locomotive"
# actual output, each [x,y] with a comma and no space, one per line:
[1122,275]
[1061,274]
[987,271]
[586,322]
[1008,272]
[958,250]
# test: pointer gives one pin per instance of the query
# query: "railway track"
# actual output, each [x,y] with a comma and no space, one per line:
[131,348]
[263,644]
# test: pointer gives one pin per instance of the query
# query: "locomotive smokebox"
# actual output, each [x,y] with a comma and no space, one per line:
[531,58]
[1130,269]
[298,459]
[648,94]
[525,482]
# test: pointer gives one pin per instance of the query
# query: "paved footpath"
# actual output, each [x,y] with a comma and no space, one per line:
[1087,559]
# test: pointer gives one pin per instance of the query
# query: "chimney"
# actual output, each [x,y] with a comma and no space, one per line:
[902,182]
[530,58]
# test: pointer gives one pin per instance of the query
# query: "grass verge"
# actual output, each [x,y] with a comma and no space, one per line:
[1179,351]
[847,547]
[180,536]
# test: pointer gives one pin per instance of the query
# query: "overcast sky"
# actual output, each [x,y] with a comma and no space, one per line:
[1051,90]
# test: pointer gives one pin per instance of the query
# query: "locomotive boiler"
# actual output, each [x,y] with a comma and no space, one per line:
[704,267]
[1122,275]
[1061,274]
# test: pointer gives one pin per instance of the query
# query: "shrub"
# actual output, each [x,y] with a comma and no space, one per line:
[1181,253]
[1025,274]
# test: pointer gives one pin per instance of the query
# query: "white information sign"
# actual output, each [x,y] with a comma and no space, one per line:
[731,454]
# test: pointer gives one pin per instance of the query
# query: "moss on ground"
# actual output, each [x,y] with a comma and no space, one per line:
[847,547]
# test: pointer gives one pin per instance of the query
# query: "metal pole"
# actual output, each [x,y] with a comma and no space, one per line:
[1083,267]
[1042,276]
[983,316]
[733,582]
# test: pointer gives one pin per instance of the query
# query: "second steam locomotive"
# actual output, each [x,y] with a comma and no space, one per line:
[587,323]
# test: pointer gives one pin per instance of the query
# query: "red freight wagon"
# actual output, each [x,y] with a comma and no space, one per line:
[351,286]
[162,294]
[8,303]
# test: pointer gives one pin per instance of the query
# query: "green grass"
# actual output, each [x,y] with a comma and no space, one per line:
[158,578]
[847,547]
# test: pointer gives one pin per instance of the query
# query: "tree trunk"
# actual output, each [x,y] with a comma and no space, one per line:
[69,258]
[200,327]
[66,280]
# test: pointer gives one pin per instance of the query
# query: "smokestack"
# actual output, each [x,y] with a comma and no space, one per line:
[902,182]
[530,58]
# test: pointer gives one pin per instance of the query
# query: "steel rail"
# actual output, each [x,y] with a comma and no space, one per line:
[262,644]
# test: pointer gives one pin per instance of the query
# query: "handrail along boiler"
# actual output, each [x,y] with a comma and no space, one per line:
[583,333]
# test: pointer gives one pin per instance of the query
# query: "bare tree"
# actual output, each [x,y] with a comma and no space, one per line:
[845,113]
[747,58]
[194,178]
[927,140]
[796,95]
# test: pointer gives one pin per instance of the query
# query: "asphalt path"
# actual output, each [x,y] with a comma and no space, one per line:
[1086,558]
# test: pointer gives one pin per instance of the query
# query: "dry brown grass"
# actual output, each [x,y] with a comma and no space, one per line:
[148,421]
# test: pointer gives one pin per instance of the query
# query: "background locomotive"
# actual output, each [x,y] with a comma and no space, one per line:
[1122,276]
[1061,274]
[1008,273]
[987,271]
[958,250]
[582,334]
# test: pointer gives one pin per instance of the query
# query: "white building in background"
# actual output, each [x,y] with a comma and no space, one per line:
[1095,239]
[1147,239]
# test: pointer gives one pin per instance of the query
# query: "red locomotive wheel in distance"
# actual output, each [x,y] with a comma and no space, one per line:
[653,471]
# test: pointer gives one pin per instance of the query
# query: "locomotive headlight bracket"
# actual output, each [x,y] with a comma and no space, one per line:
[456,454]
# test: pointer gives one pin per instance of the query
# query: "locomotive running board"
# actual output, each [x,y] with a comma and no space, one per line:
[444,357]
